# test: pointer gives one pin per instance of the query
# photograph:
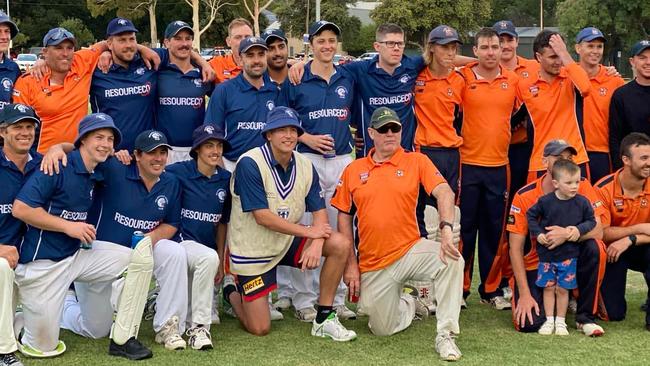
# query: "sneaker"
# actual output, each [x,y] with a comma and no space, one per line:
[199,338]
[168,335]
[546,328]
[132,349]
[282,303]
[275,315]
[343,312]
[332,328]
[573,306]
[150,306]
[421,310]
[507,293]
[463,304]
[447,348]
[498,302]
[10,359]
[560,329]
[306,315]
[590,329]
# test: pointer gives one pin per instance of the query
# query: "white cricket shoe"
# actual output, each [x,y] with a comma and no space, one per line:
[306,315]
[446,347]
[343,312]
[498,302]
[282,303]
[199,338]
[10,359]
[332,328]
[275,315]
[168,335]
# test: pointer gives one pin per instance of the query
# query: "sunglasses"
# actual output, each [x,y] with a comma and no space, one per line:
[393,127]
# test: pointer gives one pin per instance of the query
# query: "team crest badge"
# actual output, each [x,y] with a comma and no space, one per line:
[121,22]
[270,105]
[450,92]
[140,71]
[221,195]
[155,135]
[364,177]
[7,84]
[161,202]
[644,202]
[534,89]
[341,92]
[404,79]
[197,82]
[399,173]
[602,91]
[525,74]
[21,107]
[283,212]
[504,86]
[208,129]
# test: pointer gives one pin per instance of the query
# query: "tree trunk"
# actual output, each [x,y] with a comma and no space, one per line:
[256,19]
[196,26]
[152,23]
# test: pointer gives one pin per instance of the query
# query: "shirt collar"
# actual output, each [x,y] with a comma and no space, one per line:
[246,86]
[394,160]
[375,68]
[274,162]
[79,167]
[310,76]
[196,174]
[618,189]
[133,64]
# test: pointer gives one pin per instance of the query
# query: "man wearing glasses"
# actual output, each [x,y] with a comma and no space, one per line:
[382,190]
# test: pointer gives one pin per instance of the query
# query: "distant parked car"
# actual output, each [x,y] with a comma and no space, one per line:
[209,53]
[26,60]
[367,56]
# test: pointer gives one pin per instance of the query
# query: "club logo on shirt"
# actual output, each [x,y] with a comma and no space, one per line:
[524,74]
[161,202]
[399,173]
[515,209]
[419,82]
[644,202]
[511,219]
[364,177]
[7,84]
[450,92]
[618,203]
[140,70]
[197,82]
[341,92]
[283,212]
[602,91]
[504,85]
[221,195]
[270,104]
[404,79]
[534,89]
[155,135]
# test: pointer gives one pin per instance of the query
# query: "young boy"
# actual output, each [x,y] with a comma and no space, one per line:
[557,261]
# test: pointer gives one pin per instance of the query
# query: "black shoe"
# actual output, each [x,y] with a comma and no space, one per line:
[647,327]
[132,349]
[644,306]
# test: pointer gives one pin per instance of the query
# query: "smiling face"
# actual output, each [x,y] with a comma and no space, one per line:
[324,45]
[283,139]
[152,164]
[98,145]
[180,45]
[5,37]
[591,52]
[59,57]
[277,54]
[509,46]
[18,137]
[638,163]
[641,65]
[209,153]
[254,62]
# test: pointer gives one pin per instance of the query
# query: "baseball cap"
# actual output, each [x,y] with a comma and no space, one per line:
[176,26]
[207,132]
[556,147]
[120,25]
[640,47]
[97,121]
[383,116]
[279,117]
[14,113]
[270,34]
[57,35]
[589,34]
[320,25]
[149,140]
[505,27]
[444,34]
[4,19]
[250,42]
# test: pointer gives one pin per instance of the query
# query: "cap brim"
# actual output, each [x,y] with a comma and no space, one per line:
[154,147]
[281,124]
[199,142]
[270,38]
[180,29]
[445,40]
[592,37]
[641,50]
[386,123]
[13,28]
[332,26]
[117,136]
[254,45]
[560,150]
[54,43]
[510,33]
[21,119]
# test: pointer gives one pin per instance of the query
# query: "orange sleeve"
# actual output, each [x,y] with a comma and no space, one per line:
[342,199]
[587,190]
[86,60]
[517,222]
[430,177]
[579,78]
[21,93]
[604,198]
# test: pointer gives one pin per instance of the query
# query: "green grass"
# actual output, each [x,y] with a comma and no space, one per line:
[487,338]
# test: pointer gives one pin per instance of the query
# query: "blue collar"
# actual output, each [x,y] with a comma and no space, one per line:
[79,167]
[196,174]
[245,86]
[32,162]
[195,72]
[134,64]
[309,76]
[266,148]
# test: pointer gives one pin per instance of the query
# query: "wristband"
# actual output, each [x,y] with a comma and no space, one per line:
[632,239]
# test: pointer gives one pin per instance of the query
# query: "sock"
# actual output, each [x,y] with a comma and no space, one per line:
[559,320]
[550,319]
[227,290]
[322,312]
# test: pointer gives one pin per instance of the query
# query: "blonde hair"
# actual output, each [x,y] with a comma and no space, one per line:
[237,22]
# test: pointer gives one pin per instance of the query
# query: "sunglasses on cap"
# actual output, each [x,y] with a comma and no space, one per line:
[58,35]
[393,127]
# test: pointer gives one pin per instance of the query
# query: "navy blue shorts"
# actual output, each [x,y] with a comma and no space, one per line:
[254,287]
[562,274]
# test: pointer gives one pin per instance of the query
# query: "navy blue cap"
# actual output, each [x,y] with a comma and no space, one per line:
[589,34]
[97,121]
[149,140]
[207,132]
[505,27]
[279,117]
[4,19]
[270,34]
[444,34]
[320,25]
[176,26]
[640,47]
[557,147]
[14,113]
[120,25]
[57,35]
[249,42]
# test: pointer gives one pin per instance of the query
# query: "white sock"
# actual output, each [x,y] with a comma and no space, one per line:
[550,319]
[559,320]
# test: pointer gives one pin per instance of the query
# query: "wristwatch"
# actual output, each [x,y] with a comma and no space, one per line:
[445,223]
[632,239]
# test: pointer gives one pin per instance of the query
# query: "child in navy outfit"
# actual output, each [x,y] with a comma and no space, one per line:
[557,263]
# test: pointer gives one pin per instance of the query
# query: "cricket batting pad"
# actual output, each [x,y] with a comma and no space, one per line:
[432,220]
[133,296]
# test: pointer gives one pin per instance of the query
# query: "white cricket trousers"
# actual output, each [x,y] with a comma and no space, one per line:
[390,311]
[306,284]
[7,308]
[202,265]
[43,285]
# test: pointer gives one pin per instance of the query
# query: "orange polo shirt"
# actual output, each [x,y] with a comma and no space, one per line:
[224,67]
[596,110]
[554,111]
[437,104]
[384,197]
[524,69]
[620,209]
[527,197]
[487,108]
[60,107]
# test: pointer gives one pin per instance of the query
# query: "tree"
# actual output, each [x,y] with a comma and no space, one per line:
[82,34]
[131,9]
[524,13]
[418,17]
[254,9]
[363,42]
[212,7]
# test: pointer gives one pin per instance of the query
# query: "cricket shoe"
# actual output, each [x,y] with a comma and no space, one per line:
[332,328]
[446,347]
[421,310]
[168,335]
[132,349]
[199,338]
[282,303]
[306,315]
[498,302]
[10,359]
[343,312]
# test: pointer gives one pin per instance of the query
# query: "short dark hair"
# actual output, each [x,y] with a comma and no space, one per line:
[542,40]
[632,140]
[387,28]
[485,32]
[564,166]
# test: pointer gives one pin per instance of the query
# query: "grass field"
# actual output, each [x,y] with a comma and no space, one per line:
[487,339]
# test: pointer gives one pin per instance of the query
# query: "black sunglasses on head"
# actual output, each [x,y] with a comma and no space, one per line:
[393,127]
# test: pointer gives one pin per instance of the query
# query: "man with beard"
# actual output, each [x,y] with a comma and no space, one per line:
[625,196]
[277,55]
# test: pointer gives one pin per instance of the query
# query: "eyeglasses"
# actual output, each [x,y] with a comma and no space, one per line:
[393,127]
[392,44]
